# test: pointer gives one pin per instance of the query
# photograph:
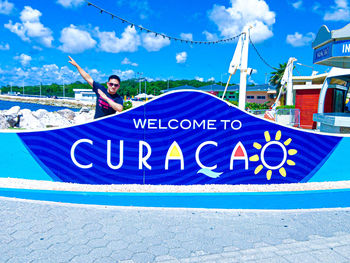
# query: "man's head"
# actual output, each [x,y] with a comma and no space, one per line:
[113,84]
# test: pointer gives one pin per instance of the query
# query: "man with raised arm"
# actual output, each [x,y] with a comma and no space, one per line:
[108,101]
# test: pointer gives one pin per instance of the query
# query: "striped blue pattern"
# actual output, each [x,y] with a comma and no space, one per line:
[52,148]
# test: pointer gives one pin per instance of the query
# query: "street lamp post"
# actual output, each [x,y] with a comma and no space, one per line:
[140,74]
[223,74]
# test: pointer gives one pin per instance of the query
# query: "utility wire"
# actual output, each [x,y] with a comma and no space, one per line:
[141,28]
[257,52]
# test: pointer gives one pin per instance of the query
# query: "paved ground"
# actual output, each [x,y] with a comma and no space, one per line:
[32,231]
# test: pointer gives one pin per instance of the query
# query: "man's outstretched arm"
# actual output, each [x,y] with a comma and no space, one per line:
[82,72]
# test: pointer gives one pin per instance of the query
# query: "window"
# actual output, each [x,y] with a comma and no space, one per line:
[250,97]
[261,97]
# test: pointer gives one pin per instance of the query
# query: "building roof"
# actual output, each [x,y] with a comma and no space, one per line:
[219,88]
[314,77]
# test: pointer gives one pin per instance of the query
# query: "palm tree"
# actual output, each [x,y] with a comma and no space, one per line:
[276,76]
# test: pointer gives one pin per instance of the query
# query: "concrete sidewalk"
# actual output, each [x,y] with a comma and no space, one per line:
[33,231]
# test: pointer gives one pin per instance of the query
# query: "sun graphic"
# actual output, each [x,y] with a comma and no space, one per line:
[261,157]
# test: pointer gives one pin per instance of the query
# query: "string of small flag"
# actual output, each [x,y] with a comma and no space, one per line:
[158,34]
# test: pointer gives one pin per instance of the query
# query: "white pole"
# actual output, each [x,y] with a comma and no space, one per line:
[244,65]
[289,100]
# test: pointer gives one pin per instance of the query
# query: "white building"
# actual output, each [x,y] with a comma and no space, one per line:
[84,94]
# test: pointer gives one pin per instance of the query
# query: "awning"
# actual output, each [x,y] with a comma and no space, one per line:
[332,48]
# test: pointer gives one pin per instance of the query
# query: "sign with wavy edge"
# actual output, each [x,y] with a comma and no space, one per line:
[180,138]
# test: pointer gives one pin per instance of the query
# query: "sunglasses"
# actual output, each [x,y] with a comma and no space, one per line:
[113,85]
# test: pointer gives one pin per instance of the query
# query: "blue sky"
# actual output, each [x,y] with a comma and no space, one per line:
[37,36]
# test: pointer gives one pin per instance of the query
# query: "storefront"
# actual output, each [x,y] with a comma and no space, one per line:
[332,48]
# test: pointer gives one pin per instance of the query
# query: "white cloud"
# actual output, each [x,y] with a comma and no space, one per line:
[211,79]
[299,40]
[316,7]
[4,46]
[23,59]
[338,12]
[29,14]
[75,40]
[209,36]
[128,42]
[6,7]
[47,74]
[186,36]
[231,21]
[298,4]
[18,29]
[154,43]
[199,78]
[127,61]
[127,74]
[251,80]
[181,57]
[70,3]
[31,27]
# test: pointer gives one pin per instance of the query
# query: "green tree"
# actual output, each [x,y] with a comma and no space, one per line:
[276,76]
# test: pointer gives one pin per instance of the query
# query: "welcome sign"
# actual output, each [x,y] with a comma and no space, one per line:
[180,138]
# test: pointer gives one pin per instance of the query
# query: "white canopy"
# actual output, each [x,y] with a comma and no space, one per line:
[144,96]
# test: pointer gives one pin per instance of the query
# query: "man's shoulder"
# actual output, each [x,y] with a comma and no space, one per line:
[97,84]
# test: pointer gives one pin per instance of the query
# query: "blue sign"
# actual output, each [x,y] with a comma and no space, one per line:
[323,53]
[341,48]
[181,138]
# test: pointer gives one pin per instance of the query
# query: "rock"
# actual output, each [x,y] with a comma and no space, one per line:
[12,117]
[54,119]
[13,111]
[12,120]
[84,110]
[29,121]
[41,113]
[68,114]
[82,118]
[3,122]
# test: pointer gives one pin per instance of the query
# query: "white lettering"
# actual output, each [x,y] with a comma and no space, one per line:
[211,124]
[152,124]
[198,125]
[160,125]
[139,123]
[199,149]
[347,48]
[174,153]
[225,122]
[72,153]
[121,155]
[241,155]
[185,127]
[143,160]
[238,125]
[171,127]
